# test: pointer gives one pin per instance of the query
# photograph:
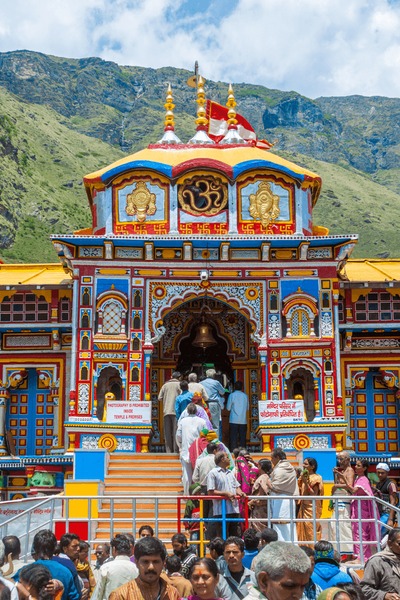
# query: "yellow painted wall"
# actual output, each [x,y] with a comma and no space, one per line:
[79,508]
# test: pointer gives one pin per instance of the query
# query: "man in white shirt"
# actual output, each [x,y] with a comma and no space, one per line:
[117,572]
[188,431]
[238,405]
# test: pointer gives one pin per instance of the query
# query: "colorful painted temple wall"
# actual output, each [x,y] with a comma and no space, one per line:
[184,234]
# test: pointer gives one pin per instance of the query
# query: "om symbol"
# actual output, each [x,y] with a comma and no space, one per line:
[205,195]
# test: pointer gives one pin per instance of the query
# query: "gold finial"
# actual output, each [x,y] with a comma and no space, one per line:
[201,136]
[169,136]
[232,136]
[231,103]
[169,122]
[201,120]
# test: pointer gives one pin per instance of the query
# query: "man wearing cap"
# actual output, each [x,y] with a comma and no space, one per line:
[388,492]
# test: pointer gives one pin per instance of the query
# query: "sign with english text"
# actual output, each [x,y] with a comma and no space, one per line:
[281,411]
[129,412]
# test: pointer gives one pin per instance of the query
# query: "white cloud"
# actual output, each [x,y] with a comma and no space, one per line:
[316,47]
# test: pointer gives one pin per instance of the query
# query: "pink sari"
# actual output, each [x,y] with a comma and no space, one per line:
[364,509]
[246,474]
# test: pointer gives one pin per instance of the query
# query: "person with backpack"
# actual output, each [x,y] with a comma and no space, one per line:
[386,490]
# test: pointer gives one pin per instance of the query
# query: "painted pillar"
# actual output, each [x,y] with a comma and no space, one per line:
[4,396]
[339,397]
[74,344]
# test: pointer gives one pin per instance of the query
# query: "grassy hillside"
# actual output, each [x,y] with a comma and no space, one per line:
[41,190]
[62,118]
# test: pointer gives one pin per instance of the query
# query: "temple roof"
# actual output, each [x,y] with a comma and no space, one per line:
[371,269]
[232,160]
[33,275]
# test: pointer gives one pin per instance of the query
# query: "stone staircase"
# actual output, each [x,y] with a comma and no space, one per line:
[149,483]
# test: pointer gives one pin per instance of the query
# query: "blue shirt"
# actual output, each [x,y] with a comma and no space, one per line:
[181,402]
[62,574]
[248,558]
[214,390]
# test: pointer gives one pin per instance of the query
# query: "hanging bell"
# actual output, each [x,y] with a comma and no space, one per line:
[204,336]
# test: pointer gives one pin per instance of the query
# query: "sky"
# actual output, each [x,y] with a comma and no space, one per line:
[315,47]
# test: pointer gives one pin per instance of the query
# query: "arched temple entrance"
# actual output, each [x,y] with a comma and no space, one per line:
[109,381]
[301,383]
[234,355]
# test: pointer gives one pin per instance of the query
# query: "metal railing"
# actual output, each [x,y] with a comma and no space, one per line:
[104,516]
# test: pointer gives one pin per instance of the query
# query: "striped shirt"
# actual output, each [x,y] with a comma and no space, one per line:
[223,480]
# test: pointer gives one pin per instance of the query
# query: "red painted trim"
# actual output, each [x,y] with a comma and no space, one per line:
[201,163]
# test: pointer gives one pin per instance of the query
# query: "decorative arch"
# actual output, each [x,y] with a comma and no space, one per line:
[111,308]
[246,298]
[300,312]
[302,377]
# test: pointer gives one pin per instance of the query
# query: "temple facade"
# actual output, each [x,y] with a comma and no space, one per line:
[216,236]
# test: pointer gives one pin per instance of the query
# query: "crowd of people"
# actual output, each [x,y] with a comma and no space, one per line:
[254,566]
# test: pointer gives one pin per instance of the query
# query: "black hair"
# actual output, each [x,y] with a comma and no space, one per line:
[393,533]
[313,463]
[209,563]
[44,543]
[122,544]
[211,447]
[13,545]
[265,465]
[219,456]
[269,535]
[250,539]
[233,539]
[147,546]
[148,527]
[5,593]
[279,453]
[184,385]
[308,550]
[217,544]
[67,538]
[83,546]
[238,385]
[365,464]
[323,546]
[173,564]
[130,538]
[38,577]
[180,538]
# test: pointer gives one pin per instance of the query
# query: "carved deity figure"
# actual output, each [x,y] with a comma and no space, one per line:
[140,202]
[264,205]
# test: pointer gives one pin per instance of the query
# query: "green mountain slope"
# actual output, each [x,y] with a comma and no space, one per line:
[41,191]
[62,118]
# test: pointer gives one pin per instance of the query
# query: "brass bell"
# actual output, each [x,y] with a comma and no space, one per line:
[204,336]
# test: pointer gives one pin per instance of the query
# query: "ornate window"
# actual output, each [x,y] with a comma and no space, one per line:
[64,310]
[137,299]
[85,342]
[85,322]
[300,315]
[136,344]
[377,306]
[24,307]
[111,307]
[137,322]
[84,372]
[86,293]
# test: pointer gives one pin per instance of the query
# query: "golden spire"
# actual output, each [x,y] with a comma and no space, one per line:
[201,136]
[231,103]
[169,136]
[232,136]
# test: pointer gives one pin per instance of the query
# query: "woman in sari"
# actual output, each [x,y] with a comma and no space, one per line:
[361,509]
[247,473]
[261,487]
[310,484]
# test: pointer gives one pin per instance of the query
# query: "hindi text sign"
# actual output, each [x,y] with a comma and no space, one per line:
[281,411]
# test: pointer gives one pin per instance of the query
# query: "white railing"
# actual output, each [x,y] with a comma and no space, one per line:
[104,516]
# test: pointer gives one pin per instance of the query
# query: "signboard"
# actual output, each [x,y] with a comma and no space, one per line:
[281,411]
[42,514]
[129,412]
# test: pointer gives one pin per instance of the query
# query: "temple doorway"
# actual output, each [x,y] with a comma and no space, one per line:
[301,383]
[228,348]
[109,381]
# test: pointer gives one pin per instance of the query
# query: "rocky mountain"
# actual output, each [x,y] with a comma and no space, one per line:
[62,118]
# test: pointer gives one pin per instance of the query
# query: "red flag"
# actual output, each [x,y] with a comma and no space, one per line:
[217,116]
